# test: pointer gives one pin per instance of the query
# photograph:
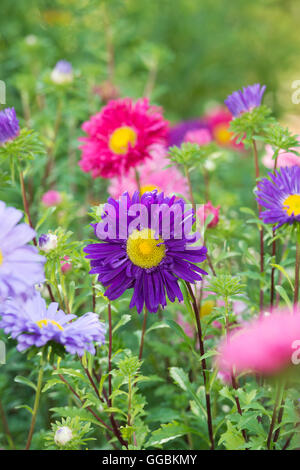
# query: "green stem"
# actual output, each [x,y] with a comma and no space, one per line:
[25,204]
[278,399]
[138,181]
[204,367]
[6,427]
[261,232]
[188,178]
[143,334]
[36,403]
[234,381]
[297,268]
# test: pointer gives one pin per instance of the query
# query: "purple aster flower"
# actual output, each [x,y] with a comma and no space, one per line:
[245,100]
[9,125]
[21,267]
[150,258]
[280,195]
[62,72]
[31,323]
[178,132]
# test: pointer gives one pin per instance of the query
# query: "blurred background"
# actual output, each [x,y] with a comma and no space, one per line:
[186,52]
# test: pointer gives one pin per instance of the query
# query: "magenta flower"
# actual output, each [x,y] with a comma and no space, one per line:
[121,136]
[264,346]
[206,210]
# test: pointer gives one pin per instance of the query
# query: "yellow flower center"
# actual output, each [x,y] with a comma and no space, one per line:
[144,250]
[222,134]
[1,258]
[207,308]
[45,321]
[292,204]
[148,188]
[121,138]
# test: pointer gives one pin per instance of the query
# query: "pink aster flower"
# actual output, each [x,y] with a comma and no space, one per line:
[284,158]
[153,175]
[186,326]
[121,136]
[198,136]
[264,346]
[206,210]
[51,198]
[65,266]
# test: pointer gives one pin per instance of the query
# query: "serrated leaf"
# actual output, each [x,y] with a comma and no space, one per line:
[166,433]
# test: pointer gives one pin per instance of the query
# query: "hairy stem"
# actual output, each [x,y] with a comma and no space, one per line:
[204,368]
[261,231]
[297,269]
[143,334]
[36,403]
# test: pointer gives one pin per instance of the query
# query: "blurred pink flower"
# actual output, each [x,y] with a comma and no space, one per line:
[264,346]
[153,175]
[51,198]
[207,209]
[218,119]
[187,327]
[284,158]
[198,136]
[66,267]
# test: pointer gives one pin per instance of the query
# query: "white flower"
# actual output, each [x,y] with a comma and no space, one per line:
[63,435]
[48,242]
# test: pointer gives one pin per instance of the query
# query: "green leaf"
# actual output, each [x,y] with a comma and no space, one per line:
[124,319]
[182,380]
[26,407]
[284,273]
[166,433]
[23,380]
[284,295]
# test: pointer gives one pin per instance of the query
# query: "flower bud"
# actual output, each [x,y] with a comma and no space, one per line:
[63,435]
[48,242]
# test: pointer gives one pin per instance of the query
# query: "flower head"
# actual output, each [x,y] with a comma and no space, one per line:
[9,125]
[62,73]
[245,100]
[198,136]
[280,195]
[51,198]
[121,137]
[284,158]
[65,265]
[154,174]
[149,256]
[207,210]
[21,267]
[218,120]
[48,242]
[177,134]
[264,346]
[63,435]
[33,324]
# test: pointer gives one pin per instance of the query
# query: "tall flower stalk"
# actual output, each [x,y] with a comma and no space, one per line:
[204,367]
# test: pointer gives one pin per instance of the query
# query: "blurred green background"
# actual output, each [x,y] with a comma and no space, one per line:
[196,50]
